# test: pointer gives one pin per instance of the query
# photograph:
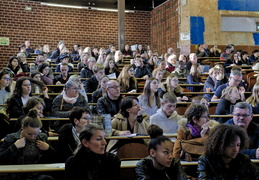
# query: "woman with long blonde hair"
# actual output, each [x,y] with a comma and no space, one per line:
[253,100]
[172,85]
[127,79]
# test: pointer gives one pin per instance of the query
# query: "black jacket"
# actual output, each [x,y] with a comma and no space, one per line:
[86,163]
[107,106]
[241,168]
[145,170]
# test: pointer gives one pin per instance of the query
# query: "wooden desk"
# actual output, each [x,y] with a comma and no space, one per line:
[138,137]
[61,166]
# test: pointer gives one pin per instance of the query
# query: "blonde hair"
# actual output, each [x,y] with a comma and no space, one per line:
[178,89]
[227,90]
[212,70]
[124,78]
[253,100]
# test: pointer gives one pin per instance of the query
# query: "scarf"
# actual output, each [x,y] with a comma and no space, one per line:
[76,135]
[70,100]
[195,131]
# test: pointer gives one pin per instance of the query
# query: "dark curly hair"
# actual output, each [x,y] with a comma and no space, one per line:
[195,110]
[222,136]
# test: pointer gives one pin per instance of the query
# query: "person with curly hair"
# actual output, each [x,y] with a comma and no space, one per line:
[222,158]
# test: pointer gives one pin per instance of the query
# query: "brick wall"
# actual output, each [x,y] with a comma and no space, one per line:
[48,25]
[165,27]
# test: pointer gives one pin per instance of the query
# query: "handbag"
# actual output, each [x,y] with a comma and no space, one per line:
[194,147]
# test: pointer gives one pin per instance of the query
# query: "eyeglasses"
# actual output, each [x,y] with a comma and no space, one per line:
[114,87]
[175,80]
[131,70]
[138,56]
[7,79]
[205,117]
[76,89]
[236,80]
[242,115]
[87,118]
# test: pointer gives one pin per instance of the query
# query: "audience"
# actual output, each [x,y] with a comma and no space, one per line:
[87,71]
[194,78]
[141,70]
[110,68]
[14,65]
[5,83]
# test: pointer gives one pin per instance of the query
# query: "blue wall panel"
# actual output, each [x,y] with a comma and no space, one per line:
[197,30]
[238,5]
[256,38]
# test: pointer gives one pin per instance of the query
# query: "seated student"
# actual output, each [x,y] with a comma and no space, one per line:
[172,85]
[64,58]
[46,73]
[87,70]
[21,94]
[212,82]
[158,74]
[109,104]
[181,71]
[41,108]
[234,79]
[81,90]
[68,139]
[166,117]
[253,99]
[28,47]
[5,83]
[244,58]
[27,146]
[171,63]
[243,117]
[160,163]
[195,126]
[149,99]
[126,51]
[63,77]
[254,57]
[64,103]
[90,160]
[129,120]
[200,100]
[127,81]
[55,53]
[201,51]
[75,52]
[40,86]
[233,60]
[118,57]
[222,158]
[110,67]
[102,56]
[22,62]
[91,84]
[230,96]
[227,51]
[192,60]
[214,51]
[82,62]
[141,70]
[161,64]
[194,78]
[14,65]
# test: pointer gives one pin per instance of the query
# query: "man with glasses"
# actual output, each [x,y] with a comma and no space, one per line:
[234,80]
[243,116]
[68,138]
[109,104]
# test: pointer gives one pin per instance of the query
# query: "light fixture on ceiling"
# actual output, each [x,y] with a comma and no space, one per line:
[84,7]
